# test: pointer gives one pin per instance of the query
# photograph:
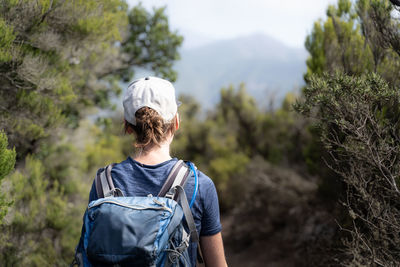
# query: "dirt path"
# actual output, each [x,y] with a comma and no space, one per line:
[271,252]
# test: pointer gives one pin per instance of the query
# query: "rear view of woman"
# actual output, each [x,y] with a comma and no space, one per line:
[151,115]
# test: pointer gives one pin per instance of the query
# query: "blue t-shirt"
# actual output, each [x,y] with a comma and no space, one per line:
[137,179]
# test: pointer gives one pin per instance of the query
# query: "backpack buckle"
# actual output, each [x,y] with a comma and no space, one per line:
[171,193]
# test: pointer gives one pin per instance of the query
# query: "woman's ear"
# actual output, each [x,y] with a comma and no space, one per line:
[177,121]
[128,129]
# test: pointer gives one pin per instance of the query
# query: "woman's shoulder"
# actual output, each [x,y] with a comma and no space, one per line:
[206,184]
[204,179]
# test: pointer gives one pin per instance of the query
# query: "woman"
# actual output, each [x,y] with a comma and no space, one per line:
[150,112]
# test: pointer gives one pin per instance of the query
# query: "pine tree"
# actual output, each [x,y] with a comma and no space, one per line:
[59,57]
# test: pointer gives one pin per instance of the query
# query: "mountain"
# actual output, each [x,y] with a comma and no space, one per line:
[193,39]
[265,65]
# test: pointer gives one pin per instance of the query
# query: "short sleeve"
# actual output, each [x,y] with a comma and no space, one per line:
[210,222]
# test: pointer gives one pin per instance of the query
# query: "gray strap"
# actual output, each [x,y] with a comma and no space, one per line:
[173,175]
[110,185]
[104,184]
[188,214]
[180,176]
[109,178]
[180,180]
[97,182]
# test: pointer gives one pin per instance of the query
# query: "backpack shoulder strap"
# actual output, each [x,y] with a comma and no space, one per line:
[173,188]
[104,183]
[177,176]
[188,214]
[193,235]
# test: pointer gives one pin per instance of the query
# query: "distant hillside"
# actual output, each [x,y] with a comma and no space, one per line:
[267,66]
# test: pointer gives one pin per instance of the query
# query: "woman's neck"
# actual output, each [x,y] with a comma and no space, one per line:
[153,155]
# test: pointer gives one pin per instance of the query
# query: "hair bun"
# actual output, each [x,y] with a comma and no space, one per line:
[150,128]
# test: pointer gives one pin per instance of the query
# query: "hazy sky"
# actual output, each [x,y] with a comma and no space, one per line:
[204,20]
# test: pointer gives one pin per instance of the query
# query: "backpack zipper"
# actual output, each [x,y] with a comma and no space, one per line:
[136,207]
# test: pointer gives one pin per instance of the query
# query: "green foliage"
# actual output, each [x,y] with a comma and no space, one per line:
[358,122]
[7,162]
[355,114]
[356,38]
[346,41]
[57,60]
[353,39]
[315,46]
[340,92]
[7,156]
[59,57]
[39,211]
[103,149]
[6,39]
[151,43]
[39,81]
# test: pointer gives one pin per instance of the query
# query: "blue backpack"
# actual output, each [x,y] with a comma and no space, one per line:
[139,231]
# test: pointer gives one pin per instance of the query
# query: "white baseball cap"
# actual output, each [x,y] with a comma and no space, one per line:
[152,92]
